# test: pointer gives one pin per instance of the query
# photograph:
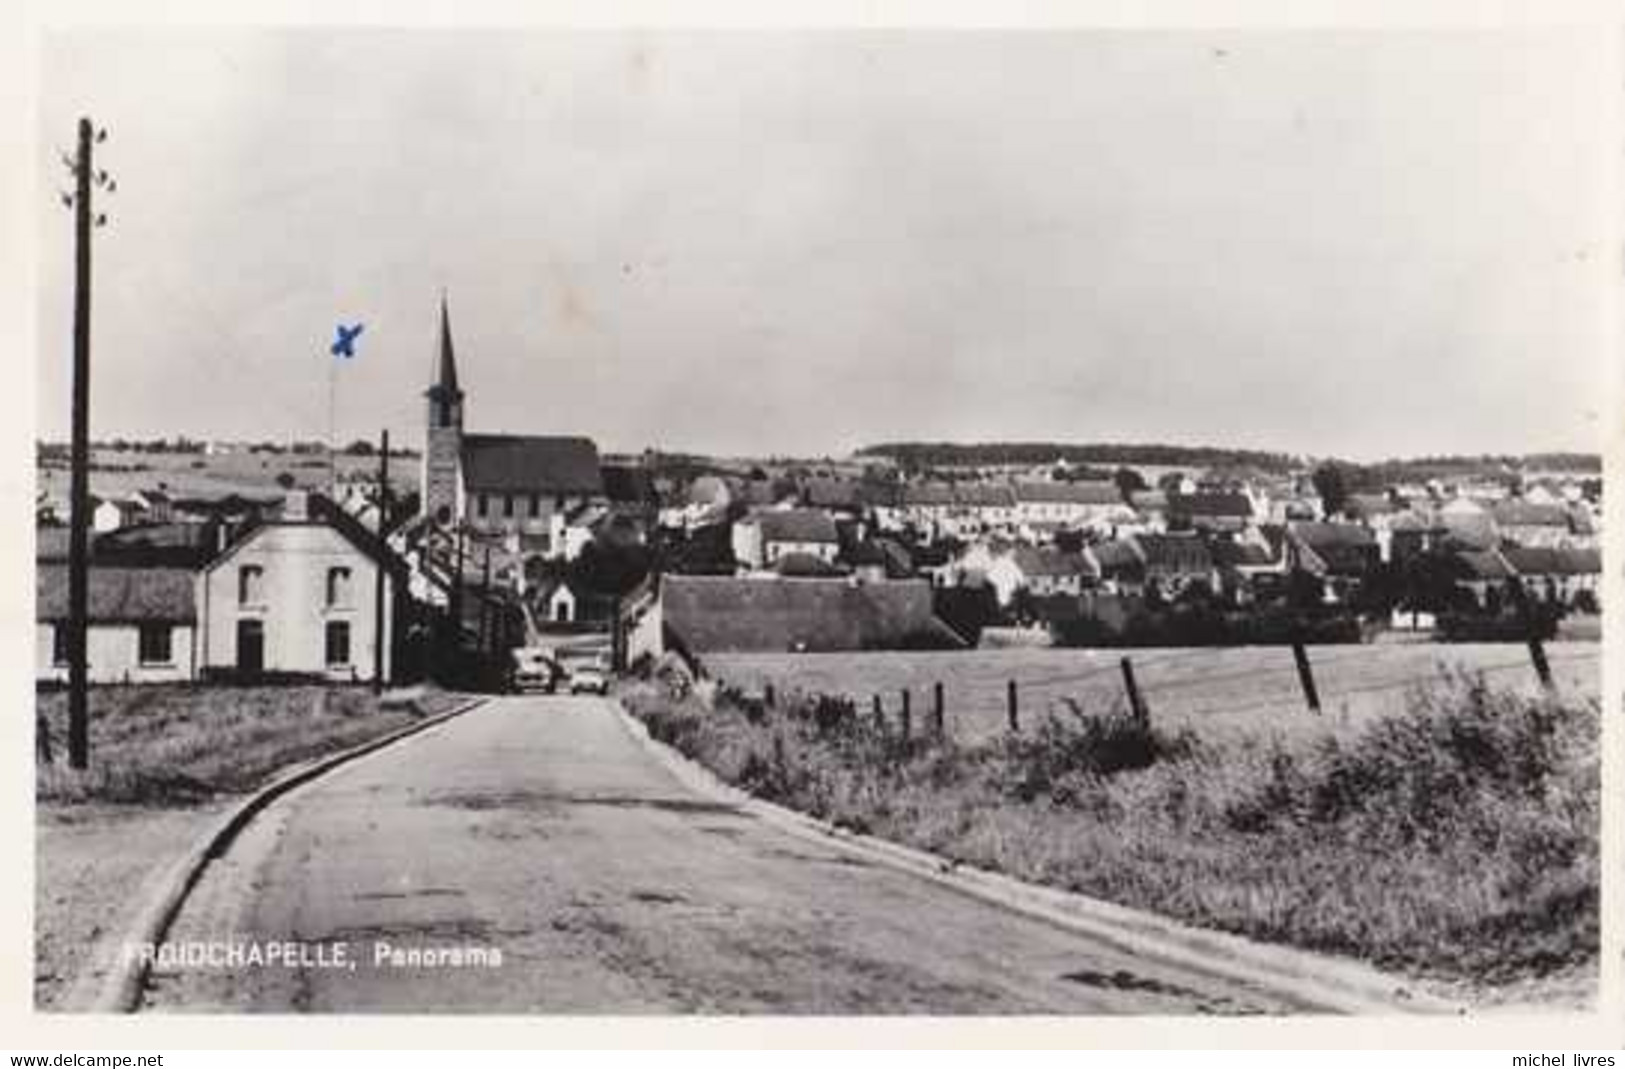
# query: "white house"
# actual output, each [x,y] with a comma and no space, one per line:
[296,594]
[766,535]
[142,624]
[1080,504]
[109,514]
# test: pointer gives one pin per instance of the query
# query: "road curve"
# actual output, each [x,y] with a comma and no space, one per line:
[539,829]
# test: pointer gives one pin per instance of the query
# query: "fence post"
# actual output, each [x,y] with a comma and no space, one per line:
[937,717]
[767,695]
[1136,703]
[42,739]
[1012,707]
[1537,654]
[1306,676]
[907,726]
[880,714]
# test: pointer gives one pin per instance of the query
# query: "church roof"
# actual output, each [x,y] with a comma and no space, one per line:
[513,463]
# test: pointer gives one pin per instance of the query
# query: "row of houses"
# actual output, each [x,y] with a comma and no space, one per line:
[1341,556]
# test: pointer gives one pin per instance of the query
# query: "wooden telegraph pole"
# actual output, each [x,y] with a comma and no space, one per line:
[378,585]
[84,174]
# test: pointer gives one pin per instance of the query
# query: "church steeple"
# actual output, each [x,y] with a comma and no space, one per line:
[445,396]
[442,457]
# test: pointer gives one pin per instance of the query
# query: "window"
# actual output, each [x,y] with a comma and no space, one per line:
[535,504]
[155,648]
[250,580]
[59,644]
[338,644]
[485,505]
[338,587]
[507,505]
[561,611]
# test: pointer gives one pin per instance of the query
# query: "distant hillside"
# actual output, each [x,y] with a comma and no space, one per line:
[987,454]
[946,454]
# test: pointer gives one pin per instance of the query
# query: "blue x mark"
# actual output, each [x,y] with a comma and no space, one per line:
[344,344]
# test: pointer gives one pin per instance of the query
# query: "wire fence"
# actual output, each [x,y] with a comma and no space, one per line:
[986,692]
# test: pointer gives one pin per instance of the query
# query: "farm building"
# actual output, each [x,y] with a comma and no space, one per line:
[142,624]
[716,614]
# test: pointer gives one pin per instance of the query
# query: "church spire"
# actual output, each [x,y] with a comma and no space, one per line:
[445,384]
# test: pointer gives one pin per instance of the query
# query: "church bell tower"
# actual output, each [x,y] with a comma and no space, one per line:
[442,454]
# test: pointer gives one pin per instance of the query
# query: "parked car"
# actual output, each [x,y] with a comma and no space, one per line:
[533,669]
[589,677]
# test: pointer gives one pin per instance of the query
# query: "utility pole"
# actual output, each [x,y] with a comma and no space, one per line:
[82,167]
[486,623]
[383,551]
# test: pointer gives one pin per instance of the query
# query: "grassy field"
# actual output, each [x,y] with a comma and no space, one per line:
[1456,838]
[194,475]
[1215,691]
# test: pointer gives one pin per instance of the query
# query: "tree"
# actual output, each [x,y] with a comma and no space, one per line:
[1129,482]
[1332,487]
[285,480]
[1304,590]
[359,448]
[1068,540]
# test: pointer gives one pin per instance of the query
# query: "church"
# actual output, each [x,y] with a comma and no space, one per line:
[528,490]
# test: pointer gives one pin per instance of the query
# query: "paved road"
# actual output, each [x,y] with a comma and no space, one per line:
[541,828]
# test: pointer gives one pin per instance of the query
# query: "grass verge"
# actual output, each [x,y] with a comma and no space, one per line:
[180,745]
[1458,840]
[166,761]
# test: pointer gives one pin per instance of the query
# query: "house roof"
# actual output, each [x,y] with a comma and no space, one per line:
[1541,561]
[832,493]
[1241,555]
[177,544]
[320,512]
[795,525]
[805,564]
[1052,562]
[928,494]
[984,495]
[1320,536]
[1526,514]
[715,614]
[1185,554]
[1214,505]
[1484,564]
[508,463]
[120,595]
[1079,493]
[755,491]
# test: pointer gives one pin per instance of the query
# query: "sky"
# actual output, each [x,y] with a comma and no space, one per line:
[1365,244]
